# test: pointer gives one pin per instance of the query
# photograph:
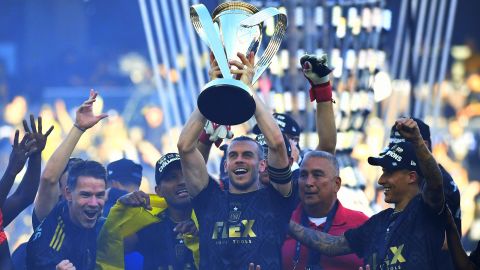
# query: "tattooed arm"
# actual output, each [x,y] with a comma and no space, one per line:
[323,242]
[433,189]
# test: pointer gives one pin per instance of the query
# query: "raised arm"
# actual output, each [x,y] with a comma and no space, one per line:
[19,155]
[433,190]
[277,151]
[48,190]
[317,72]
[325,243]
[194,168]
[25,193]
[459,256]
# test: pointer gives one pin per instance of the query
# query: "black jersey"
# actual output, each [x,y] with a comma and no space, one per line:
[411,239]
[162,248]
[238,229]
[57,239]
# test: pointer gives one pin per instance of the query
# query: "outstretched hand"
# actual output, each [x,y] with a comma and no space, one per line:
[20,152]
[85,118]
[136,199]
[35,135]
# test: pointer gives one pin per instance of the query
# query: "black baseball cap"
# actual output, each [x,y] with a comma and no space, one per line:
[286,124]
[400,156]
[165,163]
[125,171]
[261,140]
[395,136]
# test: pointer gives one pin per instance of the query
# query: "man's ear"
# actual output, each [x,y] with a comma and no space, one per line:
[338,183]
[413,177]
[158,191]
[68,193]
[262,165]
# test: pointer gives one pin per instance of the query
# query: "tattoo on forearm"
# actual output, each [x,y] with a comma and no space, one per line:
[433,176]
[327,244]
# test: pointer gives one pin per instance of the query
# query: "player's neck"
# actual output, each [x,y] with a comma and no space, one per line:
[400,206]
[253,187]
[320,209]
[178,215]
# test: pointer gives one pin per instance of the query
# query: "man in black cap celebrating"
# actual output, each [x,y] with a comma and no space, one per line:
[161,240]
[452,194]
[123,176]
[410,235]
[450,189]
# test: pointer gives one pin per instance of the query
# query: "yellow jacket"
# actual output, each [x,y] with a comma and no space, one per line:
[123,221]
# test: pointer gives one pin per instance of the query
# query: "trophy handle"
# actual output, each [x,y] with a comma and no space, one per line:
[203,24]
[275,40]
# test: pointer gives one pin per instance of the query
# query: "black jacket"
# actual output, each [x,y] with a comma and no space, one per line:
[57,239]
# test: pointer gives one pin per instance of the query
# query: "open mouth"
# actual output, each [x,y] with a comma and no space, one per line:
[386,189]
[240,171]
[91,214]
[182,192]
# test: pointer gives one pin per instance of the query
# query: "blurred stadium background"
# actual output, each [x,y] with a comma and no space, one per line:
[391,58]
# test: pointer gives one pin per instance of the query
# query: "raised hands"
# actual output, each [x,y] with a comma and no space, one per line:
[315,68]
[408,128]
[85,118]
[136,199]
[21,151]
[214,72]
[245,68]
[36,135]
[215,133]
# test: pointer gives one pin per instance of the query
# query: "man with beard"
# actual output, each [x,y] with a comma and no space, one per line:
[245,224]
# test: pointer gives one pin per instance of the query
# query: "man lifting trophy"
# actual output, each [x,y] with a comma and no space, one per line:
[236,27]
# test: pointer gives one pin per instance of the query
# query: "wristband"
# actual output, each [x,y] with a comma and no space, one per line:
[280,176]
[79,128]
[321,92]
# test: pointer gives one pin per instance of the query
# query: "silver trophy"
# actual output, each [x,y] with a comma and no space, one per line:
[235,27]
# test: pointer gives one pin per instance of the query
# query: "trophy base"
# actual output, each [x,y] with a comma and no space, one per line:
[226,102]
